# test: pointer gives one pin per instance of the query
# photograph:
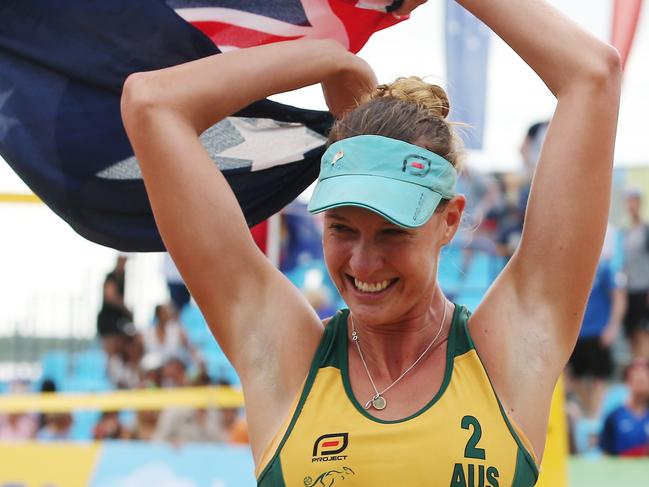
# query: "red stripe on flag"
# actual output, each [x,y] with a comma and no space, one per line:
[625,21]
[260,235]
[360,23]
[327,444]
[223,34]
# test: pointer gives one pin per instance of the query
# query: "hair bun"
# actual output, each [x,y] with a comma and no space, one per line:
[415,90]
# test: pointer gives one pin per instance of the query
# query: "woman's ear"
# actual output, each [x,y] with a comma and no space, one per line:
[453,216]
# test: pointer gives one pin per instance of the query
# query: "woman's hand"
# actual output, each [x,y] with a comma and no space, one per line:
[609,334]
[353,81]
[407,7]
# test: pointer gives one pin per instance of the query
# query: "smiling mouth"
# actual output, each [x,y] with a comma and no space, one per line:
[371,287]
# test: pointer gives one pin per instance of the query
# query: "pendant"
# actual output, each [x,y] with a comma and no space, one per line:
[377,402]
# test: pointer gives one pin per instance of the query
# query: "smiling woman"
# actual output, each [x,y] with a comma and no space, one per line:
[404,387]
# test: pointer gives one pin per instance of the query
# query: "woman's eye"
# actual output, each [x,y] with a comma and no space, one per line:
[338,227]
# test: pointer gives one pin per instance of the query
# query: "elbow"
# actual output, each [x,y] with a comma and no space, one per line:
[140,98]
[611,68]
[597,75]
[605,72]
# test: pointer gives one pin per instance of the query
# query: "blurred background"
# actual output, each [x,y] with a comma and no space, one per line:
[140,390]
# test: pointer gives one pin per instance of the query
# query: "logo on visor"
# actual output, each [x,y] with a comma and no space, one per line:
[416,165]
[339,155]
[328,447]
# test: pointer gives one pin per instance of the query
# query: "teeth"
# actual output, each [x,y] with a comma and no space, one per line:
[373,287]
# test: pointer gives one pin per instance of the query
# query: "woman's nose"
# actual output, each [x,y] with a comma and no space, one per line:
[366,259]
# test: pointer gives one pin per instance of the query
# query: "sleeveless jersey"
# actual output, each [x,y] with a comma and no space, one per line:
[461,438]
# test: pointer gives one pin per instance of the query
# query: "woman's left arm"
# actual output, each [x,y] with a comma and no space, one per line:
[528,323]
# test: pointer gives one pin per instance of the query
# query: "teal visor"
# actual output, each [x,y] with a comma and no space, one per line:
[402,182]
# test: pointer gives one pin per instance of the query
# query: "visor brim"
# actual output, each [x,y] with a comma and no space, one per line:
[402,203]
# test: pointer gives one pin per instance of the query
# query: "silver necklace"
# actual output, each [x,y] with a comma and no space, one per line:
[377,401]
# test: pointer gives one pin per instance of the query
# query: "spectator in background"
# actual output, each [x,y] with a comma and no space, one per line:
[187,425]
[510,229]
[151,370]
[48,385]
[530,151]
[591,362]
[114,315]
[178,292]
[511,225]
[626,429]
[57,427]
[167,337]
[482,196]
[636,253]
[239,431]
[18,426]
[145,425]
[202,377]
[109,427]
[174,372]
[184,425]
[124,363]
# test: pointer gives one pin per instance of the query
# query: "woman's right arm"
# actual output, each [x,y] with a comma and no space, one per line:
[264,325]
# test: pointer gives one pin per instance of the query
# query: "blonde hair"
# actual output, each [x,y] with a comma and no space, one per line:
[408,109]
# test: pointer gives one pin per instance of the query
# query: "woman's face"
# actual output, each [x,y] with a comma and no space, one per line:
[638,381]
[386,273]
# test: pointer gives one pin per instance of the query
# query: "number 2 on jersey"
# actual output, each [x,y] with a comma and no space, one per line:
[471,450]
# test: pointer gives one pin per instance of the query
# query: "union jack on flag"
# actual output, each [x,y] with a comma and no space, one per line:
[62,67]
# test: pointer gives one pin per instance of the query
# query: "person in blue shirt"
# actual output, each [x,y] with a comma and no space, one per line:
[591,363]
[626,429]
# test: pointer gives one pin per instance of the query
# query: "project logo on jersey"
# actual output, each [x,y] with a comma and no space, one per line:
[328,448]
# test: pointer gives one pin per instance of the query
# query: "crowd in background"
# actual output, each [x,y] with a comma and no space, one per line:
[158,356]
[613,346]
[607,379]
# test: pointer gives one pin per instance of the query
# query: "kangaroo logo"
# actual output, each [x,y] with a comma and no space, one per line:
[329,478]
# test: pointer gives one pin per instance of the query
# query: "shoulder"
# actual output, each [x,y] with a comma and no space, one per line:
[615,414]
[331,320]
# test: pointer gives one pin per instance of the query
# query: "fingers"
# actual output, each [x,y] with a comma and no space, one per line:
[406,8]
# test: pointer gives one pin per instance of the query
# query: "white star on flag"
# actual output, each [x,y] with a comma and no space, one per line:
[269,143]
[238,142]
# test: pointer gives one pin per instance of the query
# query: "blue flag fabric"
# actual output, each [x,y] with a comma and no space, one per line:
[467,55]
[62,67]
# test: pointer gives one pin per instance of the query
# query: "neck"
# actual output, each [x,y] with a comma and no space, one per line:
[638,404]
[391,348]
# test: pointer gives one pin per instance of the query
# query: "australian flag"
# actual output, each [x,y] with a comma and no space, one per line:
[62,67]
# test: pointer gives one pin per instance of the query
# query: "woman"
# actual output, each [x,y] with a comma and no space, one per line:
[402,350]
[167,337]
[636,268]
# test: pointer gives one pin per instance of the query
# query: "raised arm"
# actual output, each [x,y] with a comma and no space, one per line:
[529,321]
[261,321]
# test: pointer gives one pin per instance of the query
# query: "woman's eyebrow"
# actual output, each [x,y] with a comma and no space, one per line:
[336,216]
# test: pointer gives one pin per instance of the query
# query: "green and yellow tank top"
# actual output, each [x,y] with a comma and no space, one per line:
[461,438]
